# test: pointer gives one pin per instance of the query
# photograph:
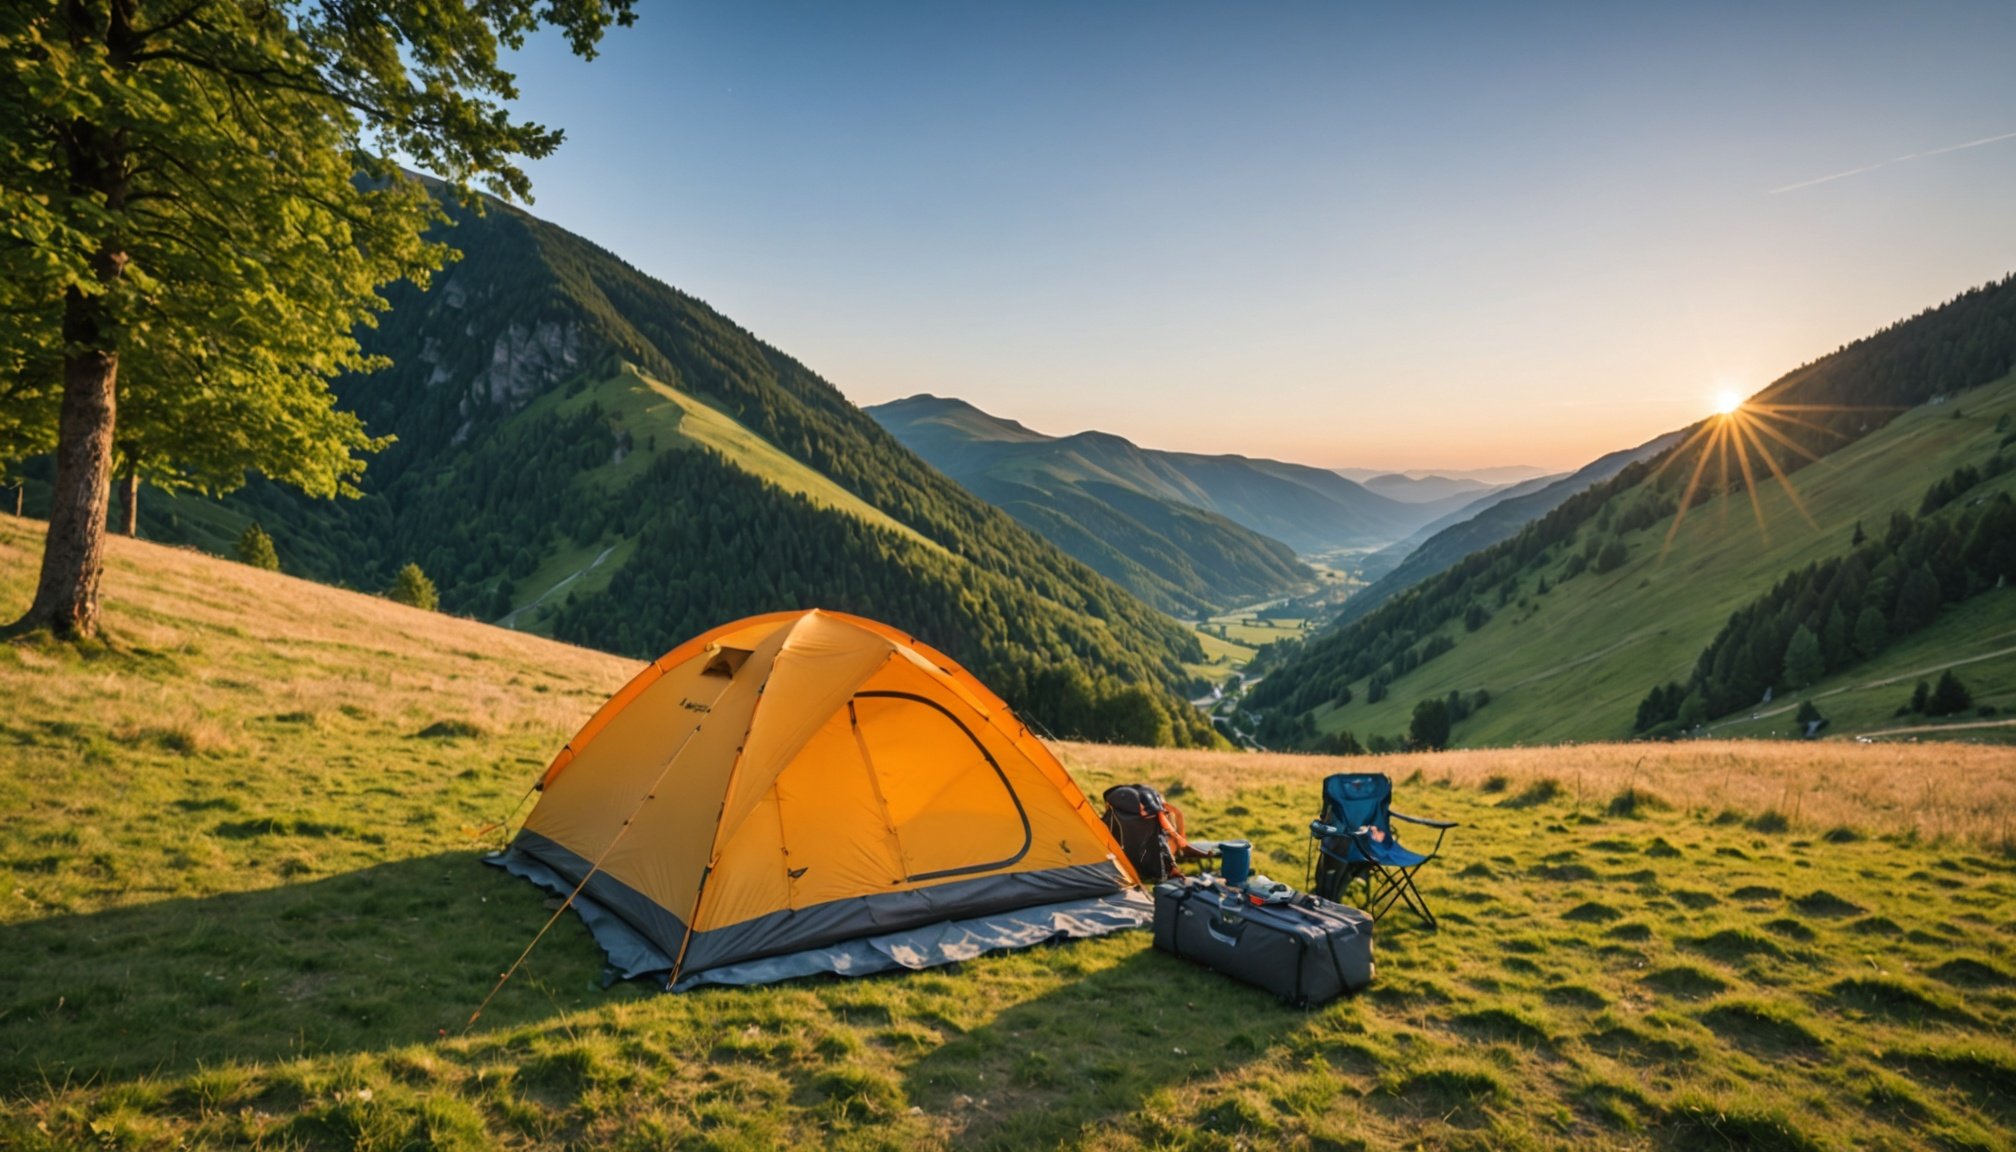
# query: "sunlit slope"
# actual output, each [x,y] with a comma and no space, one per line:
[651,416]
[1573,663]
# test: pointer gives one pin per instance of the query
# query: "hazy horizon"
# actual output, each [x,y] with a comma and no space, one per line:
[1466,238]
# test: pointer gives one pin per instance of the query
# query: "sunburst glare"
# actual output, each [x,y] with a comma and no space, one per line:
[1747,431]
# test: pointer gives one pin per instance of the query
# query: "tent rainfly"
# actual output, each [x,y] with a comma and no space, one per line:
[808,792]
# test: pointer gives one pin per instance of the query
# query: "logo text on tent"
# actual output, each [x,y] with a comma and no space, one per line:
[695,706]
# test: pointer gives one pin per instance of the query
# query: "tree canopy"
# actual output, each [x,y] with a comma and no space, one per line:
[196,214]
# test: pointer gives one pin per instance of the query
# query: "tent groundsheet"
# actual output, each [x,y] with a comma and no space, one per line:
[631,956]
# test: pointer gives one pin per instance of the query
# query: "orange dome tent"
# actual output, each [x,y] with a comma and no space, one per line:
[810,791]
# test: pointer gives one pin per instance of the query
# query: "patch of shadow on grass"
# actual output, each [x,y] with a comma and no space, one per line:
[1686,982]
[1590,912]
[1662,849]
[1693,1122]
[1457,1091]
[1895,1000]
[283,826]
[1082,1023]
[1630,931]
[1985,1076]
[1631,1045]
[1877,926]
[1695,899]
[1968,972]
[1733,945]
[1790,929]
[1760,1027]
[1504,1024]
[448,730]
[1575,996]
[349,963]
[1565,873]
[1821,902]
[1757,894]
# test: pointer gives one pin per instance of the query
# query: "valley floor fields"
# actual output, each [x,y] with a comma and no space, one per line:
[241,907]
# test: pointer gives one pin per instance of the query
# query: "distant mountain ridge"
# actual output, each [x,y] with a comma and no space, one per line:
[1312,510]
[1494,518]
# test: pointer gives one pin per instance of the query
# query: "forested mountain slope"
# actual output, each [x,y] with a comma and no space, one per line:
[1568,626]
[1312,510]
[588,452]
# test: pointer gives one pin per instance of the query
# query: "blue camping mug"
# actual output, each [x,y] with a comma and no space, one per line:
[1235,861]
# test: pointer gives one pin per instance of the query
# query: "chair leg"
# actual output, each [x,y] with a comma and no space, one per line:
[1396,886]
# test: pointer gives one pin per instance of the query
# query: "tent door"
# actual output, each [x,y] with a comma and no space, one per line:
[948,797]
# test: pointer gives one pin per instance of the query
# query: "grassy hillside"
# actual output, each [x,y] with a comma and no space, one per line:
[242,909]
[1574,663]
[589,452]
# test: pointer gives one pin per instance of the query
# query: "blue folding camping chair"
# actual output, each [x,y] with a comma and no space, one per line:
[1354,842]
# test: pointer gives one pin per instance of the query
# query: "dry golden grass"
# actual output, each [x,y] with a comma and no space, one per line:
[1961,792]
[320,651]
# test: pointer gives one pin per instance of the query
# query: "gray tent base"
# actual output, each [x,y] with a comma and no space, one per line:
[632,957]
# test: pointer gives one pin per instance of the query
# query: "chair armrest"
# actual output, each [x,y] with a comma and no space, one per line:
[1320,830]
[1444,824]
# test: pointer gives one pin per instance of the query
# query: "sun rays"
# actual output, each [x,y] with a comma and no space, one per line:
[1748,432]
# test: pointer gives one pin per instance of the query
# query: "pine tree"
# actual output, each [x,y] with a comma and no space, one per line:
[1871,632]
[1803,661]
[1920,697]
[255,547]
[1950,697]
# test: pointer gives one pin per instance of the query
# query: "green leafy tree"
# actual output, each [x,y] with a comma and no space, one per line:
[1921,695]
[255,547]
[196,213]
[411,586]
[1134,716]
[1429,726]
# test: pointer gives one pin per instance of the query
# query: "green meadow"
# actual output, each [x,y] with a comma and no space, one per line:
[241,906]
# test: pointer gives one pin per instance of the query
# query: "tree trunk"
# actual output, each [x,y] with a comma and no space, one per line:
[73,558]
[129,502]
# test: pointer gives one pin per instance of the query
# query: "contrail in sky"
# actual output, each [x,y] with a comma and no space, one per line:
[1897,160]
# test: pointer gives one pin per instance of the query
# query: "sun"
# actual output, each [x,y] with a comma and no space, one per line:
[1727,401]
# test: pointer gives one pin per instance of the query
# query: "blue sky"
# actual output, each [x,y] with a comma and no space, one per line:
[1343,234]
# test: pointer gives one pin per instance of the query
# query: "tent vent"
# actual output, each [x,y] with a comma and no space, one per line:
[725,662]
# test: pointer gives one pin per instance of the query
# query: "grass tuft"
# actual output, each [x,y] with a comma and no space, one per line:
[1634,801]
[1545,790]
